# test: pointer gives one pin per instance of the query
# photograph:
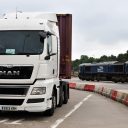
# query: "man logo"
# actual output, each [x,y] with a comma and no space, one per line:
[9,73]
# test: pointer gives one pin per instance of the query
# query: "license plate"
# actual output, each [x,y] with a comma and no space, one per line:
[9,108]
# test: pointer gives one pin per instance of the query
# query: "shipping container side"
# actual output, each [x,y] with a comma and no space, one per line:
[65,31]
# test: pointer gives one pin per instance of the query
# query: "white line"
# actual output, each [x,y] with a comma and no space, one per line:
[15,122]
[2,121]
[59,121]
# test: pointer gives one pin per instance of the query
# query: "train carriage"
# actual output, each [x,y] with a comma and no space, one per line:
[107,71]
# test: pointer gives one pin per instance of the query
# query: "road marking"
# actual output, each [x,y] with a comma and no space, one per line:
[15,122]
[59,121]
[2,121]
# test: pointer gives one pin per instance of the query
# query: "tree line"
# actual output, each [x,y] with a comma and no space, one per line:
[85,59]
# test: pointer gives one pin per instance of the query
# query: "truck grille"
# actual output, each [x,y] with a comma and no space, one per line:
[11,90]
[11,101]
[15,72]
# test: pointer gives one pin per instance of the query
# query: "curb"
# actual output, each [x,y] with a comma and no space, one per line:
[116,95]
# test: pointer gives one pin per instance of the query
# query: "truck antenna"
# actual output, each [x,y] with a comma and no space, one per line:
[17,12]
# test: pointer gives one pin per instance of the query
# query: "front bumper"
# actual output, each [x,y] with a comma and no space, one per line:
[24,102]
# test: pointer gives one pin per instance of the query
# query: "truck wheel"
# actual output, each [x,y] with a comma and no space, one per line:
[61,97]
[123,79]
[65,94]
[50,112]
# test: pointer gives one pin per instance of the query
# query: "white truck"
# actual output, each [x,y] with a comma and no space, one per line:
[35,54]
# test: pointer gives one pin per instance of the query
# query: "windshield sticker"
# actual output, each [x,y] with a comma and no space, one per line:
[10,51]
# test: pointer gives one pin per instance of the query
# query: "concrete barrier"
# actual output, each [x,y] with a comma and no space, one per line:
[96,89]
[120,96]
[104,91]
[125,101]
[108,92]
[80,86]
[113,94]
[117,95]
[101,90]
[72,85]
[89,87]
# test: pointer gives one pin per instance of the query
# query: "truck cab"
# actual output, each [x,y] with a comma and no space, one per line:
[30,64]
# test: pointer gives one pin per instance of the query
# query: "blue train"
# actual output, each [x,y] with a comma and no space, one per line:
[106,71]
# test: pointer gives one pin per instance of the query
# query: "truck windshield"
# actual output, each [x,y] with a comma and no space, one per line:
[21,42]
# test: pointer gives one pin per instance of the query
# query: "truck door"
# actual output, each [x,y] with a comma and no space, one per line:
[52,53]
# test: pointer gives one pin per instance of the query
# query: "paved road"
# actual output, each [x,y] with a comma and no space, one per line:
[84,110]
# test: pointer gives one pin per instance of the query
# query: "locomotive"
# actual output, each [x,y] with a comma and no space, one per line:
[105,71]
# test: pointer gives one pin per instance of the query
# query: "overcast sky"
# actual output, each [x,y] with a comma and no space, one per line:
[100,27]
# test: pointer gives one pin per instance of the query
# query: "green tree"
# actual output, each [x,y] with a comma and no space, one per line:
[75,64]
[84,59]
[103,58]
[112,58]
[121,58]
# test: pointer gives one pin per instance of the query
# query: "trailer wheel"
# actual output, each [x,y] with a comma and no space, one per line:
[50,112]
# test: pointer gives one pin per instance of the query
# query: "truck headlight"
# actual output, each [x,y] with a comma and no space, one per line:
[38,91]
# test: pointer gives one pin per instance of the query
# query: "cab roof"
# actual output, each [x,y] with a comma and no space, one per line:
[28,21]
[32,15]
[21,24]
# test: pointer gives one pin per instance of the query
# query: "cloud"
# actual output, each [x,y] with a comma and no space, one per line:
[99,26]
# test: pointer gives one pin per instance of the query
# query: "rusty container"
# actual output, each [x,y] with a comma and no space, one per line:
[65,31]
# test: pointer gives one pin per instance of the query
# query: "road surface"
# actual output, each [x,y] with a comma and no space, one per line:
[84,110]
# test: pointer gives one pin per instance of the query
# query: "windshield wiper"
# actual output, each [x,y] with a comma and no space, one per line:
[3,54]
[20,53]
[26,53]
[6,54]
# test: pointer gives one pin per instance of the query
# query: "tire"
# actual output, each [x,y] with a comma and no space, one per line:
[61,97]
[65,90]
[50,112]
